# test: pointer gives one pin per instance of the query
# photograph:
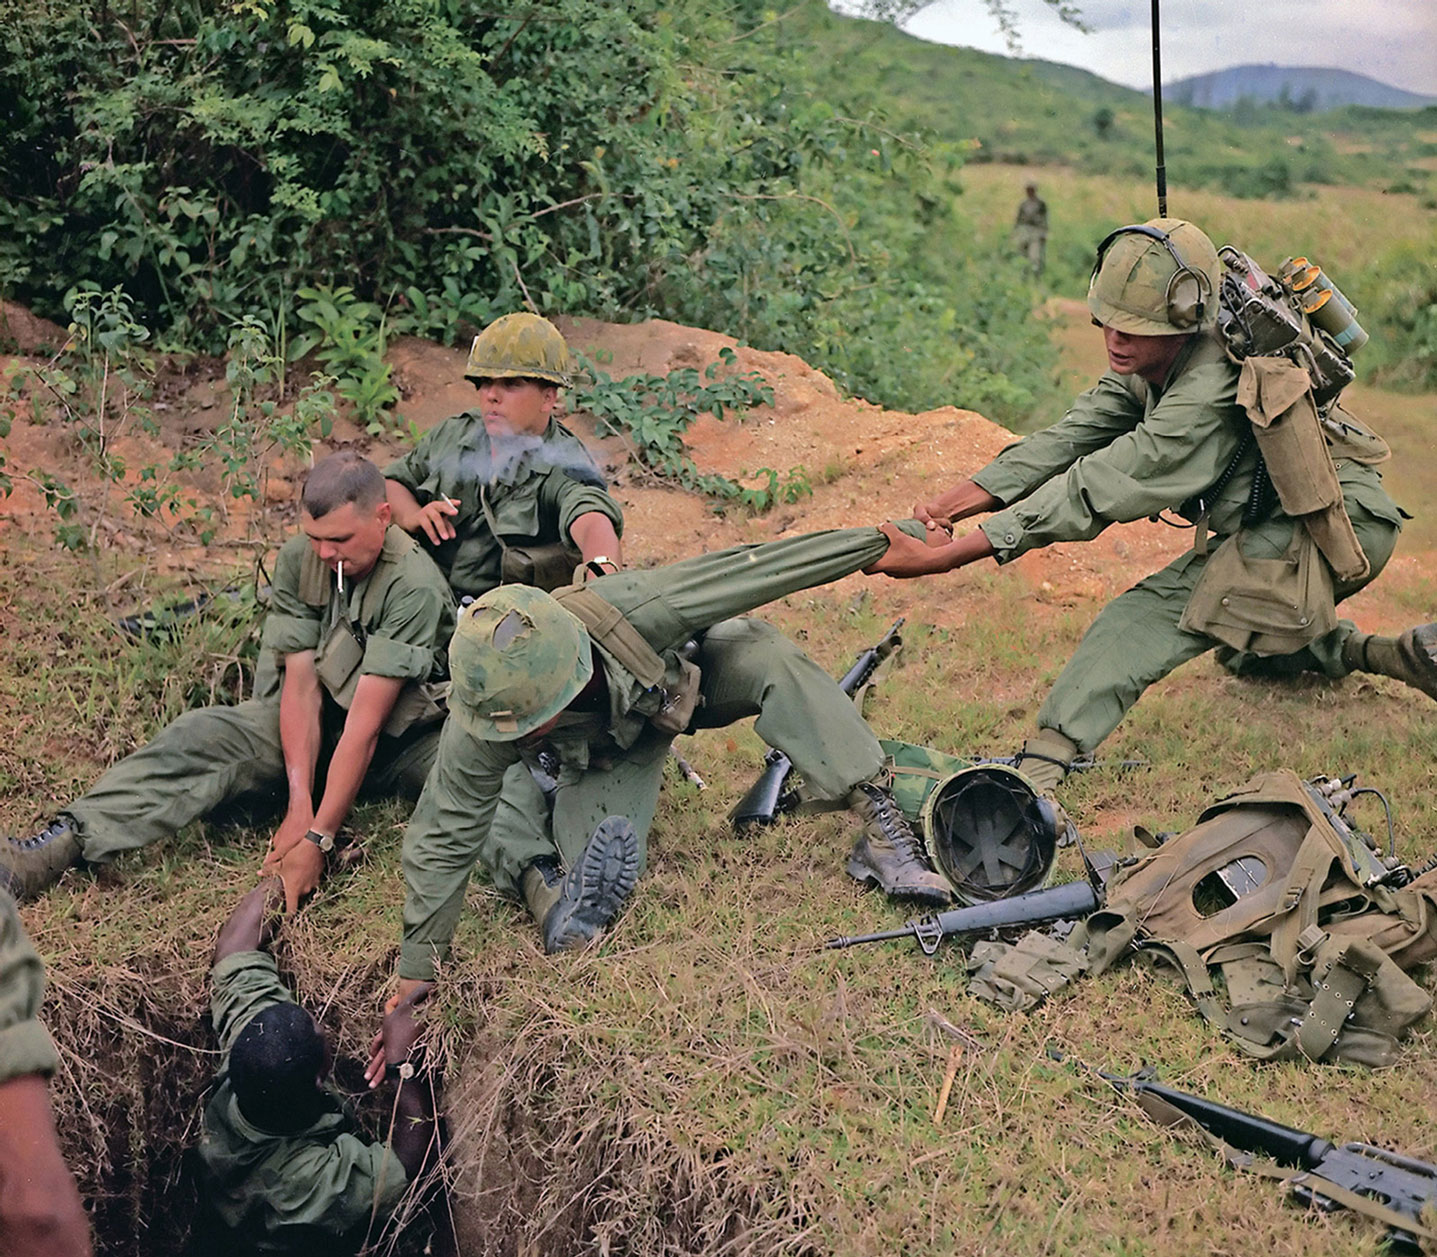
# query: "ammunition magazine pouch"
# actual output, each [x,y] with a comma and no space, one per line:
[1277,395]
[672,680]
[1266,894]
[545,565]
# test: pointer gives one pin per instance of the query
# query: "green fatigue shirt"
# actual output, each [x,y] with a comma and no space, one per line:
[394,622]
[534,498]
[275,1188]
[25,1046]
[667,606]
[1129,449]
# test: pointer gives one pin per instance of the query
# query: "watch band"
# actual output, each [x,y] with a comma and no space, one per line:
[325,842]
[596,564]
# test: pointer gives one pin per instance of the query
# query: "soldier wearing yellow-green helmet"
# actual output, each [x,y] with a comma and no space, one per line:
[598,679]
[504,492]
[1171,427]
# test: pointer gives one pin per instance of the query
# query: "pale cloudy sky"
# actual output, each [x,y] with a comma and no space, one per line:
[1394,41]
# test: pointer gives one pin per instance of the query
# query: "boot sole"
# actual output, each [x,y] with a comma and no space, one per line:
[599,884]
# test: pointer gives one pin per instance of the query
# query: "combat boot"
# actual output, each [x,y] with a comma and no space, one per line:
[30,866]
[1045,760]
[889,854]
[1411,658]
[571,909]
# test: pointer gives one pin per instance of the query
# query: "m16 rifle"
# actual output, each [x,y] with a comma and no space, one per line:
[1384,1185]
[771,794]
[1053,903]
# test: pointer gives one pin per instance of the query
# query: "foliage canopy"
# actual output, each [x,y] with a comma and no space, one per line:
[446,162]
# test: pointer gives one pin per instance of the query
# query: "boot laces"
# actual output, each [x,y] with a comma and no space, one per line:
[891,822]
[44,838]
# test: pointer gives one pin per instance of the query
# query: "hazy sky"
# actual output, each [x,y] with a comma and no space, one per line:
[1394,41]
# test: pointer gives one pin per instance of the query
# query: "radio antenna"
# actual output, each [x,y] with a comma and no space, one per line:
[1162,172]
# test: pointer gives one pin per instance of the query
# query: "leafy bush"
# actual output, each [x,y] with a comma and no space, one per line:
[446,162]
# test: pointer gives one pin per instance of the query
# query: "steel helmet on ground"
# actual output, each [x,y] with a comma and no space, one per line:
[520,345]
[991,833]
[1158,278]
[516,660]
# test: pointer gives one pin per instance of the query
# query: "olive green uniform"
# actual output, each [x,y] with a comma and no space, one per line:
[481,802]
[25,1046]
[396,622]
[534,498]
[1126,450]
[1030,231]
[280,1189]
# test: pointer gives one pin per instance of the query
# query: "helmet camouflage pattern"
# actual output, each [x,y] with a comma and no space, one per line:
[516,660]
[520,346]
[1141,288]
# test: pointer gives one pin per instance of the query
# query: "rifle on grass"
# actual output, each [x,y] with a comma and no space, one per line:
[770,794]
[1052,903]
[1384,1185]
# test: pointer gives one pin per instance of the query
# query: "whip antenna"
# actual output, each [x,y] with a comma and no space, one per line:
[1162,173]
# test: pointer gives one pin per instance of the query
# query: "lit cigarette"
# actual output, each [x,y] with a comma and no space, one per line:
[339,574]
[450,500]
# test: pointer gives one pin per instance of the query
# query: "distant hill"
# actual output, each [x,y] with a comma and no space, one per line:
[1302,89]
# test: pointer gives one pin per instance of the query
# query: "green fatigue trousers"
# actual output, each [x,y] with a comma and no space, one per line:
[748,668]
[215,755]
[1136,641]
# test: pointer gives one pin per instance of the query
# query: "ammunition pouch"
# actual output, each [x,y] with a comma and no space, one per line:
[546,567]
[1266,606]
[1277,396]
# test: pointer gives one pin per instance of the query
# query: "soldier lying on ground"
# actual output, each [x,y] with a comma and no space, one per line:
[1164,429]
[506,491]
[284,1167]
[40,1210]
[598,682]
[358,624]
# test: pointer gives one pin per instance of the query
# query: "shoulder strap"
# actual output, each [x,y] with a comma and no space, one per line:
[614,634]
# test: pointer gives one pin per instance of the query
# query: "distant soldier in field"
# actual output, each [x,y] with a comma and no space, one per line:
[1030,228]
[1170,427]
[505,492]
[284,1165]
[358,625]
[40,1210]
[600,679]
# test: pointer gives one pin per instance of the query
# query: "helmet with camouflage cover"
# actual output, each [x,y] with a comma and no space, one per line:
[520,346]
[516,660]
[1158,278]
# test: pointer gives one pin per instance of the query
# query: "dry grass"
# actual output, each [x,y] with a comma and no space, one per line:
[709,1080]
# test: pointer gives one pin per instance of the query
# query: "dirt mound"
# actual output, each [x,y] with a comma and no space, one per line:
[865,464]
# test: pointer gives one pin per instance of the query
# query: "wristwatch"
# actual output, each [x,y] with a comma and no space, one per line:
[325,842]
[596,564]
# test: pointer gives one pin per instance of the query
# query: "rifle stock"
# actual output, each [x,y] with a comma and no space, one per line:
[770,795]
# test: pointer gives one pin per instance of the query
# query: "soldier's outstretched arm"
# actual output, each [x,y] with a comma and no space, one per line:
[907,557]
